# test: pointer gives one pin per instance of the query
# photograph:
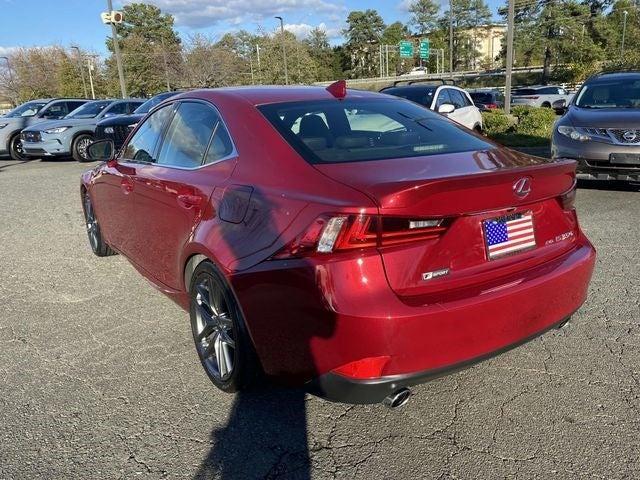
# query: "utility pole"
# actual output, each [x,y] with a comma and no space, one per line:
[116,50]
[624,31]
[284,51]
[90,67]
[84,83]
[259,69]
[451,37]
[386,61]
[507,84]
[166,64]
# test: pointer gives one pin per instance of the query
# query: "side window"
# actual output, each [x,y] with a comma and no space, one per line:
[131,106]
[457,98]
[220,145]
[71,106]
[443,97]
[188,135]
[117,109]
[57,110]
[143,144]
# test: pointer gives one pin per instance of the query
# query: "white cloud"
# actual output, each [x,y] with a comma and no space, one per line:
[302,30]
[7,50]
[207,13]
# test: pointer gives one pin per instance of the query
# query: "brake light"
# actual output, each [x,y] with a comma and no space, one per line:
[329,234]
[491,106]
[567,200]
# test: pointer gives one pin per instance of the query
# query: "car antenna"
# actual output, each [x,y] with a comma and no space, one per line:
[338,89]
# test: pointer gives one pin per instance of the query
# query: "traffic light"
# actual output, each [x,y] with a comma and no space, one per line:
[113,16]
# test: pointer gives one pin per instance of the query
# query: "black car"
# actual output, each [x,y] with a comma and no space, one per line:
[118,128]
[487,100]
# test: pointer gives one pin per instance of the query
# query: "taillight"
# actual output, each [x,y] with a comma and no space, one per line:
[338,233]
[567,200]
[492,106]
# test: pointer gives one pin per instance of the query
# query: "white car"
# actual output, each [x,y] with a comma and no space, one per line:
[452,101]
[540,96]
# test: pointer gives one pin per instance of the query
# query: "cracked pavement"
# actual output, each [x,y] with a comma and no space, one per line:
[99,377]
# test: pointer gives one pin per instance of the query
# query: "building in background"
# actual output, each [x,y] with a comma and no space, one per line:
[488,40]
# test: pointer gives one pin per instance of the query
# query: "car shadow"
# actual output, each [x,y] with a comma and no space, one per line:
[265,435]
[8,163]
[616,186]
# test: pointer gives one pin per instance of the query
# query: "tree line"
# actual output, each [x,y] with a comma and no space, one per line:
[571,38]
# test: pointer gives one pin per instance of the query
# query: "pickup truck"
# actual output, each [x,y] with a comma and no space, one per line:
[541,96]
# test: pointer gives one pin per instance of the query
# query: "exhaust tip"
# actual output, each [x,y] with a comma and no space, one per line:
[397,398]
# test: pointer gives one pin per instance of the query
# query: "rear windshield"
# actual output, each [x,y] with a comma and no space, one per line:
[614,94]
[332,131]
[421,95]
[481,97]
[525,91]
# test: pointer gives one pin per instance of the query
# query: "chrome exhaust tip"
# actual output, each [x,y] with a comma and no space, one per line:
[397,398]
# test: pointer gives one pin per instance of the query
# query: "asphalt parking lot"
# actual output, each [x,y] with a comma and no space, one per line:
[99,377]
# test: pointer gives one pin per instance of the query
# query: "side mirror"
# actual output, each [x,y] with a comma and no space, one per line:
[101,150]
[560,106]
[446,108]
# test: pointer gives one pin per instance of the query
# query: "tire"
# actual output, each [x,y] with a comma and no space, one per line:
[546,105]
[219,332]
[15,148]
[478,129]
[97,243]
[79,147]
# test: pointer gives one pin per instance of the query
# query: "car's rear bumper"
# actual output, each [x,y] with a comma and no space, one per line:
[308,319]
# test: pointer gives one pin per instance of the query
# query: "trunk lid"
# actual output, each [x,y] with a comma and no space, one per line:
[465,189]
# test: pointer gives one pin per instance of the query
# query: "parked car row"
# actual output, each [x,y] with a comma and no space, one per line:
[65,127]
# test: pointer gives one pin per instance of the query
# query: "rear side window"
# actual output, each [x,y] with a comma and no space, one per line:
[362,130]
[188,135]
[142,146]
[525,91]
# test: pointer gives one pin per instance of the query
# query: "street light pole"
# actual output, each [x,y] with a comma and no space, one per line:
[89,68]
[284,51]
[509,66]
[451,37]
[624,31]
[116,50]
[84,83]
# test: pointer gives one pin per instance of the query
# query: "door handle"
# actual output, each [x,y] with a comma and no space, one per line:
[189,201]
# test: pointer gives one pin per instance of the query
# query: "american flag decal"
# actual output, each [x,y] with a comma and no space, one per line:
[508,235]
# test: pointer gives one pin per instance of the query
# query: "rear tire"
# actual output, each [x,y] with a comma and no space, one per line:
[15,148]
[219,332]
[79,147]
[546,105]
[98,245]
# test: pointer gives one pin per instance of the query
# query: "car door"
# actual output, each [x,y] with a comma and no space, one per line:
[442,97]
[463,113]
[113,186]
[172,194]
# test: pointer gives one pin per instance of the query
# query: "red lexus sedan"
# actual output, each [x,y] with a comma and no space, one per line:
[348,241]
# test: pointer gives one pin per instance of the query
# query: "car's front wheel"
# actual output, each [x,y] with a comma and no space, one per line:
[222,342]
[15,148]
[80,146]
[98,245]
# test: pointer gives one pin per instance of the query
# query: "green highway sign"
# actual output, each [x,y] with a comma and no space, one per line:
[406,48]
[424,48]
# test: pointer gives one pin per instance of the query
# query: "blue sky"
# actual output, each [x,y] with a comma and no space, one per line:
[26,23]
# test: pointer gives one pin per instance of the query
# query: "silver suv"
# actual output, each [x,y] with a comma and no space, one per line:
[601,128]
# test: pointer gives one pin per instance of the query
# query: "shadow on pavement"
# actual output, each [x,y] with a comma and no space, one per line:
[612,185]
[265,437]
[7,163]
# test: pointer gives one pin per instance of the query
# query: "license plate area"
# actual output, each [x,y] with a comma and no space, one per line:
[508,235]
[624,158]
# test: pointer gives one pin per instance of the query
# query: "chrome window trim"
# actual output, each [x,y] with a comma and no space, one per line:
[176,103]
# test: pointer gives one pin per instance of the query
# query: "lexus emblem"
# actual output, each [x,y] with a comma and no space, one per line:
[629,135]
[522,187]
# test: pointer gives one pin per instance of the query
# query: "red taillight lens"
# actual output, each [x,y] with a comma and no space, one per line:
[371,367]
[492,106]
[567,200]
[338,233]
